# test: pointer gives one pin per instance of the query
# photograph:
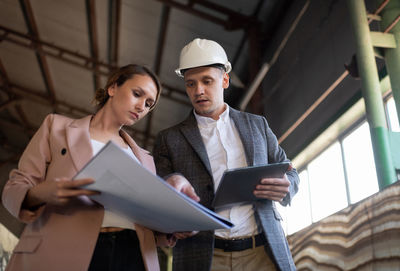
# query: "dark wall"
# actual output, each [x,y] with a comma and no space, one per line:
[311,61]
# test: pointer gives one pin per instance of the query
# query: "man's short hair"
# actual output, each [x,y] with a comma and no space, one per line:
[216,65]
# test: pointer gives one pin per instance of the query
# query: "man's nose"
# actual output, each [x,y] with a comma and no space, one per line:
[199,89]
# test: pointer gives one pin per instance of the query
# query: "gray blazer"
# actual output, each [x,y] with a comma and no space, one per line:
[180,149]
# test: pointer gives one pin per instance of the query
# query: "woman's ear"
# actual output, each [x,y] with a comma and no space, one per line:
[111,89]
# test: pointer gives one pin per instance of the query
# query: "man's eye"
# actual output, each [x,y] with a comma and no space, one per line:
[136,94]
[189,84]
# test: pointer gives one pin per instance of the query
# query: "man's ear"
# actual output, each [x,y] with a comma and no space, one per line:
[225,80]
[111,89]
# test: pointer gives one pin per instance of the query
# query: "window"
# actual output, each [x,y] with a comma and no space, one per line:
[392,115]
[342,174]
[360,165]
[327,184]
[298,215]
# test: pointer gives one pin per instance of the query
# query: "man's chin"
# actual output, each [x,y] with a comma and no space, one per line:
[203,112]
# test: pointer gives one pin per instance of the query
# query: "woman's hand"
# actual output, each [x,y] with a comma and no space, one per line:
[57,192]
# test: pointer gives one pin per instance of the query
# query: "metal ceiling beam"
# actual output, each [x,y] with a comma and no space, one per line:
[44,67]
[325,94]
[58,52]
[114,19]
[267,65]
[71,57]
[162,34]
[60,106]
[38,97]
[234,21]
[245,34]
[15,127]
[4,80]
[93,38]
[24,120]
[8,103]
[254,34]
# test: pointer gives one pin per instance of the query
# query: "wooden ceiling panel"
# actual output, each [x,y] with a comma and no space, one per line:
[63,23]
[138,32]
[21,66]
[132,49]
[73,85]
[11,15]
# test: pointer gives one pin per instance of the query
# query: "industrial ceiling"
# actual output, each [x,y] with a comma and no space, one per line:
[54,54]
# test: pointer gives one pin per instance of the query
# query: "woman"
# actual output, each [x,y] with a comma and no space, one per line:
[65,229]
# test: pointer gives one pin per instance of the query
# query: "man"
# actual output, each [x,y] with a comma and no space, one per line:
[213,138]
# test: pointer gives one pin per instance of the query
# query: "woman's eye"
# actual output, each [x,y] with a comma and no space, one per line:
[136,94]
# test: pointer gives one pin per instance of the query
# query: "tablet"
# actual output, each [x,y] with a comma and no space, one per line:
[237,185]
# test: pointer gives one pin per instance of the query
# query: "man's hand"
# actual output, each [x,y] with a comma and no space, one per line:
[272,188]
[184,234]
[181,184]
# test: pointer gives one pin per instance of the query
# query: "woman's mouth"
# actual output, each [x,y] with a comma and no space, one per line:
[134,115]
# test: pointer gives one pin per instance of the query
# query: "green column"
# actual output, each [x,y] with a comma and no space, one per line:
[371,93]
[392,56]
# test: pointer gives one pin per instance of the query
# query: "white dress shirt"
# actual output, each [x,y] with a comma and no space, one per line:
[112,219]
[225,151]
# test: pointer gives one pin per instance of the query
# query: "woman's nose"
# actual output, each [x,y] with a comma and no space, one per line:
[140,105]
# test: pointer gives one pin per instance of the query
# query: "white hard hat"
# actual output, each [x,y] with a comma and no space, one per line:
[202,52]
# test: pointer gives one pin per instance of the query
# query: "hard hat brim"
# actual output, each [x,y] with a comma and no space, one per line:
[179,71]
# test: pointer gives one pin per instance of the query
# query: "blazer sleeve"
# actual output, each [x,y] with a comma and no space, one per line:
[30,172]
[275,155]
[161,157]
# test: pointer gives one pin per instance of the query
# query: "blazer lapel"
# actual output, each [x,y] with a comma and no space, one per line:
[192,134]
[78,141]
[141,154]
[244,129]
[146,236]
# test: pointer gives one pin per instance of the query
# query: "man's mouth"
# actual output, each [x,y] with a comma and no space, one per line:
[201,101]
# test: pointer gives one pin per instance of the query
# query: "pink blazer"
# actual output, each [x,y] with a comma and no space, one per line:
[63,237]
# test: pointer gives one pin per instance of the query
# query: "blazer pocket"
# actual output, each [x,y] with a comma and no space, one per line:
[28,244]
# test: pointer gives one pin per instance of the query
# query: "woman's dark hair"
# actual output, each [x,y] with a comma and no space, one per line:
[119,77]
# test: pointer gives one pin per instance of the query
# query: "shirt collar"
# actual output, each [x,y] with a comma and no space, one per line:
[206,121]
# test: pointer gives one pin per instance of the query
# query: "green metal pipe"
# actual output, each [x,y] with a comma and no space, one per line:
[392,55]
[371,93]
